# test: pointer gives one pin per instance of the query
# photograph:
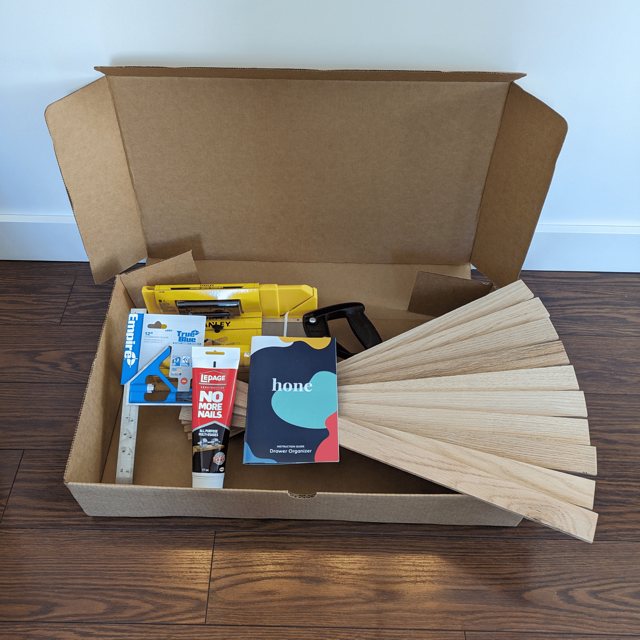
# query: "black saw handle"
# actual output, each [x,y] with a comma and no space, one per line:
[316,325]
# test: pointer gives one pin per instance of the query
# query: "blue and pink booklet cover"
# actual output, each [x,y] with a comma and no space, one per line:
[292,408]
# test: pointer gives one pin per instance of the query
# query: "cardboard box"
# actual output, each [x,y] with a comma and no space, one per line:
[353,182]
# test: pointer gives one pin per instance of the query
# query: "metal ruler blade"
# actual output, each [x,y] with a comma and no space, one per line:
[127,444]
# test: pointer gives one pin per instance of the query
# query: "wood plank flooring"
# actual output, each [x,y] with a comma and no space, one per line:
[67,576]
[21,631]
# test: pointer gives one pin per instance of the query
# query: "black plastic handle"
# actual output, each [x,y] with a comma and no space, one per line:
[316,325]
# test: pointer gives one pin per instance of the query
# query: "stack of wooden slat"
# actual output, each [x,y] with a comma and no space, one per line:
[481,400]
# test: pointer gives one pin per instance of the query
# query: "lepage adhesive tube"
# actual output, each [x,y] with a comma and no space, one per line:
[215,370]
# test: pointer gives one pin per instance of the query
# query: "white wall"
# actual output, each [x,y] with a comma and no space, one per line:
[582,58]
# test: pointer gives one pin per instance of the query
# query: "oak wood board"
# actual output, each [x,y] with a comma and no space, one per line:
[464,470]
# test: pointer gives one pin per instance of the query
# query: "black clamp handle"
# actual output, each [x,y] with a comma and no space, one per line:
[316,325]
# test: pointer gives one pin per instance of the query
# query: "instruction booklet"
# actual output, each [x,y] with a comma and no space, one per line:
[292,408]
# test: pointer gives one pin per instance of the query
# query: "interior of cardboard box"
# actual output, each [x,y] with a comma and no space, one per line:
[163,452]
[385,289]
[163,459]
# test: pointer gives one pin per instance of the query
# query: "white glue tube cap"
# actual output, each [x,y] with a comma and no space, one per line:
[207,480]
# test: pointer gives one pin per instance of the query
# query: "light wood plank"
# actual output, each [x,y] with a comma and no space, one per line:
[560,456]
[501,299]
[242,390]
[548,354]
[561,378]
[429,422]
[480,475]
[522,313]
[574,489]
[433,421]
[496,343]
[542,403]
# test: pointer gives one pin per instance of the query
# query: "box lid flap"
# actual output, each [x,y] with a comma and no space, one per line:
[369,167]
[523,162]
[87,142]
[314,166]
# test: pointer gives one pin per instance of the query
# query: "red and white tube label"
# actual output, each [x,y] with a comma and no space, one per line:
[213,396]
[215,372]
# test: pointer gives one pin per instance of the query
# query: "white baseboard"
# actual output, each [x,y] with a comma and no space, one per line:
[40,237]
[554,247]
[584,248]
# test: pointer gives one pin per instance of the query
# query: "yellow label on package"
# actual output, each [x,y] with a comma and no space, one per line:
[235,313]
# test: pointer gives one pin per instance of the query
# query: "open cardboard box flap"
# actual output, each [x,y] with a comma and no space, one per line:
[360,167]
[350,181]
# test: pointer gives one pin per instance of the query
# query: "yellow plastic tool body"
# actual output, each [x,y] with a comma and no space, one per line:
[236,312]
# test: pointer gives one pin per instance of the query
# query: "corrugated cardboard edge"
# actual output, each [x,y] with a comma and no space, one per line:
[256,73]
[179,270]
[148,502]
[88,145]
[522,166]
[102,397]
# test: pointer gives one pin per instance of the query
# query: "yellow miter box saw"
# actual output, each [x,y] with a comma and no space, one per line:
[237,312]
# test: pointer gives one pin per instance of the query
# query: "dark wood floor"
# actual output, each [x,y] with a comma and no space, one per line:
[66,575]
